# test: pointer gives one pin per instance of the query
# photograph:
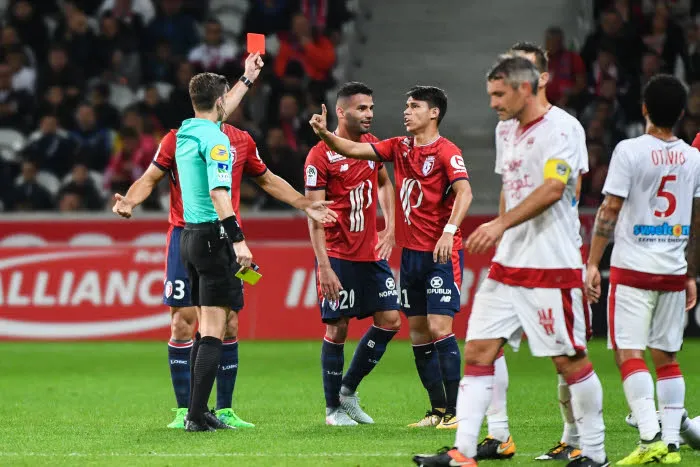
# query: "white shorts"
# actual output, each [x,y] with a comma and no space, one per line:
[554,320]
[639,318]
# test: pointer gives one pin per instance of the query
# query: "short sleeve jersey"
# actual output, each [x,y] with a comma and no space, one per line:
[543,251]
[352,186]
[658,180]
[203,156]
[424,177]
[246,160]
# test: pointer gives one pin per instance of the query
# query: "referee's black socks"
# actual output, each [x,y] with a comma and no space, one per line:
[205,367]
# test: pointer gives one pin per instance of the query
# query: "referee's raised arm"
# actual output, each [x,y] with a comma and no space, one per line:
[253,65]
[212,241]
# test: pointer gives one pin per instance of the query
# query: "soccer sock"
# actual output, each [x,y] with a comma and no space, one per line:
[332,361]
[428,366]
[497,414]
[193,358]
[690,431]
[368,353]
[475,395]
[670,390]
[226,376]
[179,360]
[205,367]
[639,391]
[587,404]
[450,364]
[570,434]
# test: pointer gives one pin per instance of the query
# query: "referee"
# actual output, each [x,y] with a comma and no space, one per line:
[203,157]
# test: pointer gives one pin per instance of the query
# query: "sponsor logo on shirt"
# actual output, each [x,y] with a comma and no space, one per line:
[219,153]
[457,163]
[661,233]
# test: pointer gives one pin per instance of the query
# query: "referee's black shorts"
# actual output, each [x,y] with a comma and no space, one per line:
[208,255]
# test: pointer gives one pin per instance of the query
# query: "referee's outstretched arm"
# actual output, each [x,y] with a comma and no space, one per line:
[253,65]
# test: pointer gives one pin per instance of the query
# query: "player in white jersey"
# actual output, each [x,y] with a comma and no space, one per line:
[499,444]
[651,191]
[535,281]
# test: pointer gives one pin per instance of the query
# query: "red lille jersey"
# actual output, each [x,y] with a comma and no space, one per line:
[352,186]
[424,177]
[245,160]
[696,142]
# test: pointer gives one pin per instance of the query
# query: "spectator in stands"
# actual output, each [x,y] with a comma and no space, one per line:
[10,39]
[294,128]
[124,168]
[155,112]
[147,138]
[174,26]
[666,38]
[30,26]
[29,194]
[282,161]
[79,41]
[314,51]
[124,69]
[567,72]
[160,64]
[61,73]
[692,72]
[623,42]
[92,139]
[107,115]
[69,201]
[23,75]
[593,197]
[129,10]
[326,15]
[52,147]
[269,16]
[83,186]
[116,34]
[238,119]
[651,65]
[606,67]
[179,100]
[15,105]
[215,54]
[54,102]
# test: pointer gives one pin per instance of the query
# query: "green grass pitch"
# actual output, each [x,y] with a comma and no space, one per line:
[108,404]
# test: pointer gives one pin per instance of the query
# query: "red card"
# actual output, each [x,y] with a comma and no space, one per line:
[256,43]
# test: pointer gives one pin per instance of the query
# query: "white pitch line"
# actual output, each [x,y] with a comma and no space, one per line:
[190,454]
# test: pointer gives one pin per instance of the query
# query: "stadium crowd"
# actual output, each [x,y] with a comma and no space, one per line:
[93,85]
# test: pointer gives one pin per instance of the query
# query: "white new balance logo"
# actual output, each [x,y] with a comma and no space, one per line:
[445,299]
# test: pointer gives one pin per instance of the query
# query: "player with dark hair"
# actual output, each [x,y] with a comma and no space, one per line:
[433,196]
[176,293]
[354,278]
[651,206]
[535,282]
[499,443]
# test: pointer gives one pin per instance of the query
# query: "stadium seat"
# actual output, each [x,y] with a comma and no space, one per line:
[272,44]
[11,142]
[164,89]
[96,177]
[231,21]
[218,6]
[121,96]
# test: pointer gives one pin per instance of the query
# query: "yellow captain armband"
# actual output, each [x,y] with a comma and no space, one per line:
[557,169]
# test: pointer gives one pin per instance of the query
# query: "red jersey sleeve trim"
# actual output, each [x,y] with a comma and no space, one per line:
[260,174]
[315,188]
[458,179]
[159,166]
[381,158]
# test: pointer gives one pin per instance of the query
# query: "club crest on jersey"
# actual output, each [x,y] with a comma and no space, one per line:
[371,165]
[334,156]
[428,165]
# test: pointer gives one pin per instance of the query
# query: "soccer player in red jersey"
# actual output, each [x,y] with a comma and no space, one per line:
[354,277]
[433,195]
[176,292]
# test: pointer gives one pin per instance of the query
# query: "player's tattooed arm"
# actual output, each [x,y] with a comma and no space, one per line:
[693,249]
[604,227]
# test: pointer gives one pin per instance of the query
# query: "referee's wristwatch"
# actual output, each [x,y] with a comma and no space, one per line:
[245,81]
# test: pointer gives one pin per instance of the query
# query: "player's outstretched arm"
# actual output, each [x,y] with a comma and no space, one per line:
[138,192]
[278,188]
[253,65]
[463,199]
[328,280]
[343,146]
[386,196]
[544,196]
[603,230]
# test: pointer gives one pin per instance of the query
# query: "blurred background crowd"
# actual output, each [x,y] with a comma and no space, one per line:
[88,87]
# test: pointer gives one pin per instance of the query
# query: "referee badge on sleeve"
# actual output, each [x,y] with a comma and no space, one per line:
[223,173]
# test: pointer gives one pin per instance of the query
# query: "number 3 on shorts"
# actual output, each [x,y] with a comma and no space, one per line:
[179,289]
